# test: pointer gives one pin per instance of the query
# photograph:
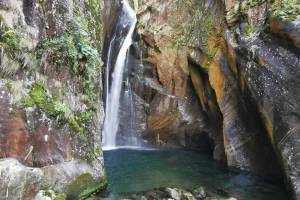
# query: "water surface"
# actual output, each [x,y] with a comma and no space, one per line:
[131,171]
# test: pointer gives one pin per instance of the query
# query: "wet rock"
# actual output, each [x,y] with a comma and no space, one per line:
[200,193]
[287,31]
[175,194]
[276,68]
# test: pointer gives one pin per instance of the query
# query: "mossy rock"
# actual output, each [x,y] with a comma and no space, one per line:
[84,186]
[61,196]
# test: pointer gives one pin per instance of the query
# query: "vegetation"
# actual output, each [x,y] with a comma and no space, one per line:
[57,110]
[84,186]
[61,196]
[286,10]
[47,194]
[200,26]
[254,3]
[9,38]
[10,47]
[39,96]
[249,30]
[74,50]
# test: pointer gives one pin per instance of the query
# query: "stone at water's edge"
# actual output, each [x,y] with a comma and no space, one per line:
[51,110]
[176,194]
[21,182]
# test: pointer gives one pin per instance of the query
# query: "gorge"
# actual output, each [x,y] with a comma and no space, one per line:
[207,92]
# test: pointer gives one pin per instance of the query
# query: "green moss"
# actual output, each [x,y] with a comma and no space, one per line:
[254,3]
[77,121]
[249,30]
[59,51]
[47,194]
[74,50]
[39,96]
[98,150]
[200,26]
[76,127]
[84,186]
[10,45]
[61,196]
[91,20]
[286,10]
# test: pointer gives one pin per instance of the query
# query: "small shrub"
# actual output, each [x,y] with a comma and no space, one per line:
[9,39]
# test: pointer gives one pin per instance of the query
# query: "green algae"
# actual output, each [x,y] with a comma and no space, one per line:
[85,186]
[40,97]
[47,194]
[61,196]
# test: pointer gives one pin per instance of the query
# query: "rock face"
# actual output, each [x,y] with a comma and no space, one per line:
[50,95]
[166,103]
[222,77]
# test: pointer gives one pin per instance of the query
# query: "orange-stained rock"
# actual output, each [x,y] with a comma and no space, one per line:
[50,146]
[15,139]
[216,77]
[286,30]
[199,86]
[162,124]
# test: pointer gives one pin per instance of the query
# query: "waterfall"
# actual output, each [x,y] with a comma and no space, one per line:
[114,83]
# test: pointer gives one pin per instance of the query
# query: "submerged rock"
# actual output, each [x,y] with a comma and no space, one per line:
[175,194]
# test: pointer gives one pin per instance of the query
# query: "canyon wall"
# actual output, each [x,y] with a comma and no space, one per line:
[223,76]
[51,109]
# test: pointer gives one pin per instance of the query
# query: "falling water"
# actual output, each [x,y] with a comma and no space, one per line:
[113,95]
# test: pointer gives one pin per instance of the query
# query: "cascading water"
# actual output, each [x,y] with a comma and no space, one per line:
[115,81]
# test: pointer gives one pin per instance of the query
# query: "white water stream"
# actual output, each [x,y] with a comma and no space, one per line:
[111,123]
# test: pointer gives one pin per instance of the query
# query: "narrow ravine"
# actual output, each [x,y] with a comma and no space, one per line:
[149,99]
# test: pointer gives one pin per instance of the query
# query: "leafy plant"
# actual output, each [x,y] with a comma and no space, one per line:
[9,38]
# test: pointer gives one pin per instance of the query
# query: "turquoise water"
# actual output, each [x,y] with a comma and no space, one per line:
[130,171]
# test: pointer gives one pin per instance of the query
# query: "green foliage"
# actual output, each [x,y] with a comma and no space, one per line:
[9,38]
[76,126]
[84,186]
[200,26]
[38,96]
[91,20]
[254,3]
[47,194]
[98,150]
[249,30]
[59,51]
[75,51]
[286,10]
